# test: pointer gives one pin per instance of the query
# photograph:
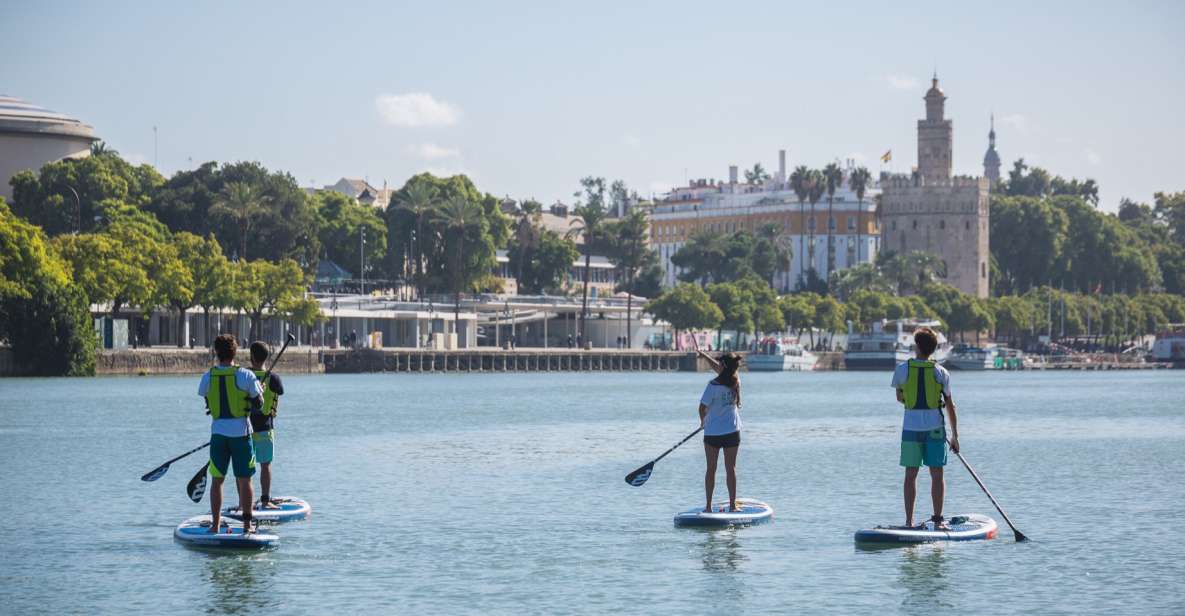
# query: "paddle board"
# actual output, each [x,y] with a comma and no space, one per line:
[290,509]
[751,512]
[969,527]
[196,532]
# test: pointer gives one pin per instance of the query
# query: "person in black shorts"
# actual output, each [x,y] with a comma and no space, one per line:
[720,416]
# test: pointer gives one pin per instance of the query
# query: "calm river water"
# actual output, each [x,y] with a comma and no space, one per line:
[504,493]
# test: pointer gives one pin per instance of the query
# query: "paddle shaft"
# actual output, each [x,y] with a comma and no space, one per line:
[685,439]
[1019,535]
[191,451]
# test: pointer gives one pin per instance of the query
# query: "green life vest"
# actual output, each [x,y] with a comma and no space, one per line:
[922,390]
[224,399]
[269,396]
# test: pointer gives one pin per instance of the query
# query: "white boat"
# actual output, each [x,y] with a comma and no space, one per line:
[964,357]
[780,355]
[888,344]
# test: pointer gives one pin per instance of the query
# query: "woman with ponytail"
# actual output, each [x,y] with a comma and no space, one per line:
[719,414]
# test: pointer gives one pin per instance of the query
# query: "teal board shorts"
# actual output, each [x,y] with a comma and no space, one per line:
[265,446]
[226,449]
[923,447]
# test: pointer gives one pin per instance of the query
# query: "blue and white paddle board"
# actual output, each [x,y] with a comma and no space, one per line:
[969,527]
[196,532]
[751,512]
[289,509]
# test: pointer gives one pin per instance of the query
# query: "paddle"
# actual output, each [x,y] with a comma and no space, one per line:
[1016,533]
[160,471]
[639,477]
[196,488]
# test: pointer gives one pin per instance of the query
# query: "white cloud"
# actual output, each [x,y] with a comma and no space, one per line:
[1016,122]
[1092,157]
[416,109]
[901,82]
[631,140]
[431,151]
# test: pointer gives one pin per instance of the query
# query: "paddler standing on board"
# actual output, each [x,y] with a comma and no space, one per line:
[231,392]
[720,416]
[921,386]
[263,434]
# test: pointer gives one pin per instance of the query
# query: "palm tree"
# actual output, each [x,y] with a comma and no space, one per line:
[772,232]
[858,181]
[456,216]
[833,179]
[816,186]
[800,182]
[629,253]
[419,201]
[757,175]
[589,223]
[526,231]
[240,202]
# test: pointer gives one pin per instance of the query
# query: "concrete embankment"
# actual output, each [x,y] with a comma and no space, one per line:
[296,360]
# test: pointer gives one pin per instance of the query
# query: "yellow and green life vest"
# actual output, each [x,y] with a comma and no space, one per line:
[224,399]
[269,396]
[922,390]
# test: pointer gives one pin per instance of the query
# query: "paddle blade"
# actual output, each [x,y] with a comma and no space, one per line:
[196,488]
[155,473]
[1019,536]
[639,477]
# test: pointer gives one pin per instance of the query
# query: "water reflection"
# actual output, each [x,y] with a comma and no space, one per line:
[722,556]
[923,577]
[239,584]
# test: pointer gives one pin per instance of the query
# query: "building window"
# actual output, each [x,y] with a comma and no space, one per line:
[851,223]
[915,224]
[942,224]
[967,225]
[811,224]
[983,269]
[831,223]
[894,225]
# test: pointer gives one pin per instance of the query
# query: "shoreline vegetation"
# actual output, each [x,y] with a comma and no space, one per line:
[99,231]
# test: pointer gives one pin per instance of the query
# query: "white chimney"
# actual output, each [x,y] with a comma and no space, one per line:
[781,166]
[732,174]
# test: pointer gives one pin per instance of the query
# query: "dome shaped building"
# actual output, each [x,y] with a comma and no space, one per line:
[31,136]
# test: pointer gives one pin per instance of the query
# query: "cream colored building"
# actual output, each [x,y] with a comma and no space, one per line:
[31,136]
[726,207]
[934,211]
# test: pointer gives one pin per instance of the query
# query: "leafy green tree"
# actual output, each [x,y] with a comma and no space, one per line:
[461,222]
[211,272]
[829,315]
[798,312]
[1170,208]
[544,264]
[800,183]
[267,287]
[686,306]
[863,276]
[43,317]
[243,206]
[913,271]
[702,258]
[1013,316]
[63,196]
[341,225]
[737,305]
[1027,237]
[527,233]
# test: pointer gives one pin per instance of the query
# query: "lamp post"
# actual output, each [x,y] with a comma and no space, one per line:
[362,256]
[77,211]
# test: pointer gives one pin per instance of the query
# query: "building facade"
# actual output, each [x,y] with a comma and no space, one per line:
[726,207]
[32,136]
[934,211]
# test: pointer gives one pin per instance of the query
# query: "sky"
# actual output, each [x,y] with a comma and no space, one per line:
[528,97]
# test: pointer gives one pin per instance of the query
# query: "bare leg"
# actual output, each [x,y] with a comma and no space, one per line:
[215,503]
[712,454]
[730,468]
[911,492]
[246,500]
[265,483]
[937,489]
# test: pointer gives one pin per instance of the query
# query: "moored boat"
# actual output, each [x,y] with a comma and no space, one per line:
[780,355]
[888,344]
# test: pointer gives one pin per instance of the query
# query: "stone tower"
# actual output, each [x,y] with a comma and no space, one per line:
[935,211]
[935,137]
[991,160]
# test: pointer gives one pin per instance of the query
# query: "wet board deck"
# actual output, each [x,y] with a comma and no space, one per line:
[751,512]
[968,527]
[196,532]
[290,509]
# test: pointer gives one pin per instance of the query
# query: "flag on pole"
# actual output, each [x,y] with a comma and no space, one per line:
[887,156]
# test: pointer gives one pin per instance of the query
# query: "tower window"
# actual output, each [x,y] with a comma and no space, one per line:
[983,269]
[894,225]
[942,224]
[851,223]
[967,225]
[915,224]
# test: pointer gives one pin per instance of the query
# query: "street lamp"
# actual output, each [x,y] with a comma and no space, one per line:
[77,211]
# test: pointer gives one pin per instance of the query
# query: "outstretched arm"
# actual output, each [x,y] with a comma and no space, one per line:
[711,360]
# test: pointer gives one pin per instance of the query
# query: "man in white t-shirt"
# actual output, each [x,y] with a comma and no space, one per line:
[922,386]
